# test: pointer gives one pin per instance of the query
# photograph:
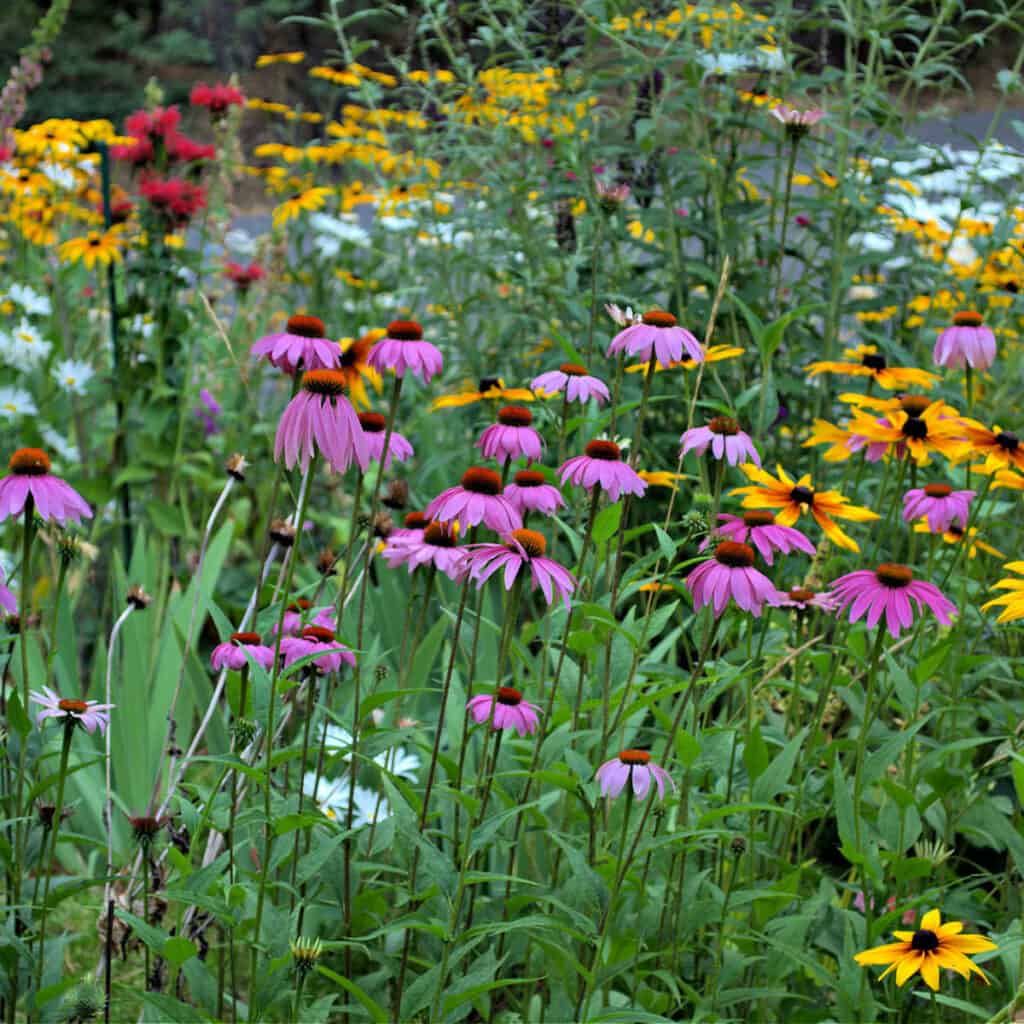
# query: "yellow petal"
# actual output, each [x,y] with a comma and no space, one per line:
[930,972]
[910,965]
[931,921]
[889,953]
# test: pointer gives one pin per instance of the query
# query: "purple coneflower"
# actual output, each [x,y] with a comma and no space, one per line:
[797,122]
[90,714]
[411,529]
[967,343]
[531,492]
[294,617]
[940,503]
[601,465]
[30,477]
[301,345]
[574,380]
[657,336]
[404,351]
[758,527]
[437,546]
[8,601]
[890,589]
[512,437]
[633,766]
[320,641]
[321,413]
[374,430]
[505,710]
[476,499]
[726,440]
[235,652]
[802,599]
[522,547]
[730,573]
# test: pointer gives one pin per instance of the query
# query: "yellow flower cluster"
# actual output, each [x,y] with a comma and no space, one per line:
[710,25]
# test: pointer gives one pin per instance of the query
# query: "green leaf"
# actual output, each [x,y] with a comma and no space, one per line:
[755,754]
[607,522]
[16,715]
[687,748]
[152,937]
[776,775]
[171,1011]
[845,811]
[771,337]
[377,1012]
[178,949]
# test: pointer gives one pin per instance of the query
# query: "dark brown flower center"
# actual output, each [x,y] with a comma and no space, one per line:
[915,428]
[490,384]
[508,695]
[145,827]
[659,318]
[528,478]
[873,361]
[734,554]
[329,383]
[303,604]
[606,450]
[405,330]
[77,706]
[799,594]
[30,462]
[724,425]
[802,495]
[318,634]
[925,941]
[758,517]
[245,638]
[1007,441]
[372,422]
[895,576]
[573,369]
[938,490]
[967,318]
[415,521]
[515,416]
[305,326]
[531,542]
[436,535]
[914,405]
[357,352]
[956,530]
[634,757]
[480,480]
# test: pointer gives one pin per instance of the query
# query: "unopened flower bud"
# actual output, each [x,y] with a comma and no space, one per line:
[305,953]
[244,732]
[738,846]
[383,524]
[83,1003]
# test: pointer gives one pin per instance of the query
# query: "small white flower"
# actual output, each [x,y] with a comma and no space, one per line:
[330,794]
[338,740]
[141,325]
[31,301]
[623,317]
[399,761]
[72,375]
[24,347]
[58,445]
[15,402]
[241,243]
[370,808]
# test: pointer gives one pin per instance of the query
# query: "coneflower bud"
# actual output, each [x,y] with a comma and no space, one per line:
[244,732]
[138,598]
[738,846]
[282,532]
[236,466]
[694,521]
[305,953]
[83,1003]
[145,829]
[397,496]
[380,673]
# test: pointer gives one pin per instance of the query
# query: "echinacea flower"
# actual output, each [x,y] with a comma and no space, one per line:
[932,946]
[522,547]
[1001,448]
[476,499]
[934,430]
[404,351]
[8,602]
[867,361]
[90,714]
[375,430]
[758,527]
[601,465]
[574,380]
[30,480]
[725,439]
[802,599]
[531,492]
[512,437]
[1012,602]
[889,590]
[321,413]
[294,617]
[939,503]
[795,497]
[505,710]
[968,342]
[436,546]
[797,122]
[634,767]
[301,345]
[235,652]
[730,573]
[320,641]
[659,337]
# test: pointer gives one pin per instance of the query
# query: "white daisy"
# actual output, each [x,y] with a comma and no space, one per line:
[24,347]
[370,808]
[338,740]
[15,402]
[399,761]
[60,446]
[72,375]
[330,794]
[31,301]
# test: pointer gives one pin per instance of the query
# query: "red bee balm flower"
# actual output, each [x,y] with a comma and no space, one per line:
[30,477]
[889,590]
[216,98]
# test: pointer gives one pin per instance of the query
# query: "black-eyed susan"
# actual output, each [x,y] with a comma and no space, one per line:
[489,389]
[867,361]
[1012,602]
[795,497]
[837,438]
[956,534]
[309,199]
[660,477]
[291,57]
[936,429]
[103,247]
[1001,448]
[714,354]
[932,946]
[357,372]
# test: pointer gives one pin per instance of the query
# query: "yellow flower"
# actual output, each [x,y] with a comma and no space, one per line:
[714,354]
[353,365]
[174,241]
[491,388]
[660,477]
[95,247]
[311,199]
[936,429]
[956,533]
[871,363]
[1000,448]
[795,497]
[637,230]
[1013,602]
[838,438]
[877,316]
[292,57]
[932,946]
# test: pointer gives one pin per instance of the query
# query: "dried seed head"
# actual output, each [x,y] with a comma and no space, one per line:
[282,532]
[236,466]
[397,495]
[383,525]
[325,562]
[138,598]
